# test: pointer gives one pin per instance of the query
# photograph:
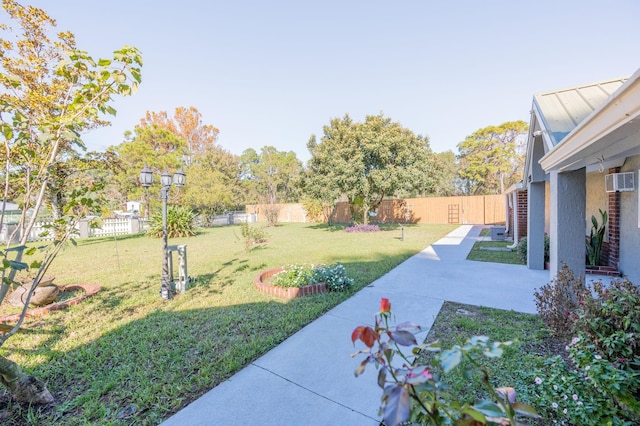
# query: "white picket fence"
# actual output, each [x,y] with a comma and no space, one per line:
[111,227]
[108,227]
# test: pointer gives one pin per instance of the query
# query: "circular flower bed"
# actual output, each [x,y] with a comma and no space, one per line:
[299,280]
[262,281]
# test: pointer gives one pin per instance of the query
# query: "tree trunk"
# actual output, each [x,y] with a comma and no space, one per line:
[365,214]
[23,386]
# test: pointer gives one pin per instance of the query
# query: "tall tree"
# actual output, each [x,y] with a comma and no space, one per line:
[371,160]
[490,158]
[51,93]
[272,177]
[152,146]
[216,183]
[187,125]
[449,184]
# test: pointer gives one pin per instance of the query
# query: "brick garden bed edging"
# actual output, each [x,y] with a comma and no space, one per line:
[262,284]
[89,290]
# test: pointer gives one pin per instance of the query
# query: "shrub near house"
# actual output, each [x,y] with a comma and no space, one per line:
[602,328]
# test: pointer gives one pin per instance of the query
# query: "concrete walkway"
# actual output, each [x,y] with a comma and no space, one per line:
[308,379]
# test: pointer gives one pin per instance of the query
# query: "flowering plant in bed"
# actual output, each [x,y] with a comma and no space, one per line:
[412,392]
[362,228]
[334,276]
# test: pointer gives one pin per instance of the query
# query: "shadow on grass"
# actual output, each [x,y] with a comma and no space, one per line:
[149,368]
[98,240]
[157,364]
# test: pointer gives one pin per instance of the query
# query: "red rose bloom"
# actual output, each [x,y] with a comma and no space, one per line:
[385,305]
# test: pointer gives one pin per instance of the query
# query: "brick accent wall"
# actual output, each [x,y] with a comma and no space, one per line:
[614,226]
[522,213]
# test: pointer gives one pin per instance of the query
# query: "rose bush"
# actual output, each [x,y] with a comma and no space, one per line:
[411,392]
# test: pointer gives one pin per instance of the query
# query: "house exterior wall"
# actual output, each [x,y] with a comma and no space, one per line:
[597,198]
[629,225]
[567,207]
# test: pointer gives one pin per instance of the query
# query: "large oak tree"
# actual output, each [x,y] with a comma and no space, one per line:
[369,161]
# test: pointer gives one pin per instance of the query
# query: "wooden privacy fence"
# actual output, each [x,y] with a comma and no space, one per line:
[477,210]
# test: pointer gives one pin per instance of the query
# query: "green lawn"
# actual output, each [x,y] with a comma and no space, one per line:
[480,253]
[457,322]
[125,356]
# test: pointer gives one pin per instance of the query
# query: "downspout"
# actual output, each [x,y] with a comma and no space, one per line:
[515,219]
[507,228]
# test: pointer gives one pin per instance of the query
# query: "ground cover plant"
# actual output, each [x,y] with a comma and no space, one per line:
[457,322]
[125,356]
[493,251]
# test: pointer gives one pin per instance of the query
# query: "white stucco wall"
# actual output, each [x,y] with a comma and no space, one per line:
[629,231]
[597,198]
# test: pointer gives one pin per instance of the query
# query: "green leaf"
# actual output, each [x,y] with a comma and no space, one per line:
[402,337]
[525,410]
[494,352]
[475,414]
[397,407]
[489,408]
[362,366]
[382,377]
[450,358]
[18,266]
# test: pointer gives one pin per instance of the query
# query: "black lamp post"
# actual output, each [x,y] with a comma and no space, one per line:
[146,180]
[178,179]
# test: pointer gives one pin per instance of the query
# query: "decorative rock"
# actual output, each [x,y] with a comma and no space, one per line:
[44,294]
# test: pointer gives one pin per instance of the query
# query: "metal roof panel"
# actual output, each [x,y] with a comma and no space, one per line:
[562,110]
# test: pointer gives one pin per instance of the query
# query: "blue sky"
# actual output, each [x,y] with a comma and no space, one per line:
[275,72]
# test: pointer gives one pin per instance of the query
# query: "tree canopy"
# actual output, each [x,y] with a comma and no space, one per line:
[51,93]
[491,159]
[271,177]
[187,125]
[368,161]
[214,185]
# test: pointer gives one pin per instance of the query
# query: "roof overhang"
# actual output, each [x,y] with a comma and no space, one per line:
[611,132]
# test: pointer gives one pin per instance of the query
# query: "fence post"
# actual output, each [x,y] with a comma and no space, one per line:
[83,228]
[134,225]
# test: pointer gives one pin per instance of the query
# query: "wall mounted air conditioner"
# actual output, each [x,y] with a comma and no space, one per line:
[619,182]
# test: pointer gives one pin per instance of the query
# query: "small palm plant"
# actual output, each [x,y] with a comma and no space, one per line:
[180,223]
[596,238]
